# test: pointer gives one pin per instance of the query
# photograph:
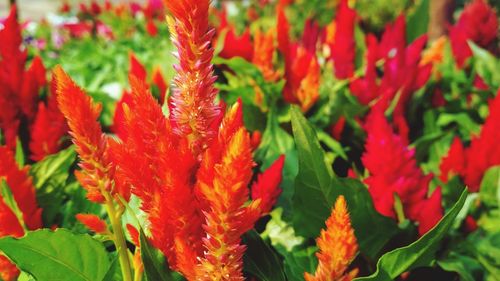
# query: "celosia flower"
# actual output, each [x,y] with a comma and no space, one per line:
[234,45]
[192,102]
[454,162]
[263,54]
[151,28]
[93,223]
[343,47]
[302,71]
[8,270]
[402,74]
[477,23]
[266,187]
[393,171]
[91,144]
[434,54]
[337,247]
[484,151]
[19,89]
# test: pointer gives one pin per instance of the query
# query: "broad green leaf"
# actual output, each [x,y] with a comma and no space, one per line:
[155,265]
[317,188]
[114,272]
[490,187]
[57,255]
[299,261]
[49,177]
[418,253]
[260,260]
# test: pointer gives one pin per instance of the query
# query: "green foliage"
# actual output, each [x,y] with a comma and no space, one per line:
[260,260]
[57,255]
[316,188]
[419,253]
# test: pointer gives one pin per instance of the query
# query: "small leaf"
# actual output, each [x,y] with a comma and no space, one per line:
[419,253]
[417,21]
[299,261]
[8,198]
[53,169]
[57,255]
[489,191]
[155,265]
[19,153]
[260,260]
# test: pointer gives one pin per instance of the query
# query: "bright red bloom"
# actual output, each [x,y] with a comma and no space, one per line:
[22,188]
[159,81]
[266,187]
[394,171]
[302,71]
[234,45]
[92,222]
[192,101]
[337,247]
[478,23]
[19,89]
[454,162]
[8,270]
[484,151]
[151,28]
[136,68]
[343,49]
[91,144]
[402,75]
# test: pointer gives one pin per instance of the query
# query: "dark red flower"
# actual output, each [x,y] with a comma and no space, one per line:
[343,49]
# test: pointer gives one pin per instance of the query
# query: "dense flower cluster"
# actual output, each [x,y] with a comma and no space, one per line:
[394,172]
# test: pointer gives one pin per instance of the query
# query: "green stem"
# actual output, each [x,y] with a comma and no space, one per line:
[118,238]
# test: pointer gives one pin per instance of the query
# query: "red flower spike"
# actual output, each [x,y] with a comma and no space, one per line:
[22,188]
[234,45]
[337,247]
[193,110]
[160,83]
[9,224]
[134,234]
[34,79]
[454,162]
[484,151]
[393,170]
[136,68]
[48,129]
[427,217]
[151,28]
[478,23]
[266,187]
[119,118]
[343,49]
[165,192]
[93,222]
[82,115]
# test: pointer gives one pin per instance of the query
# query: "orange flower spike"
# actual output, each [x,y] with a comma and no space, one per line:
[337,247]
[263,54]
[193,110]
[82,115]
[223,183]
[308,92]
[93,223]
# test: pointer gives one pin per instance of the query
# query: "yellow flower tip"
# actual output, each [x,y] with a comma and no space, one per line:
[337,246]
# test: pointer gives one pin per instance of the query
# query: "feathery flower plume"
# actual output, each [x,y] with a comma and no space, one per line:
[266,187]
[234,45]
[343,47]
[263,53]
[454,162]
[90,142]
[337,247]
[394,171]
[93,222]
[302,71]
[192,102]
[225,172]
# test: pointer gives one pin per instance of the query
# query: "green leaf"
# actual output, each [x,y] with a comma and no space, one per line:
[53,169]
[155,265]
[417,21]
[419,253]
[316,189]
[57,255]
[260,260]
[463,265]
[19,153]
[489,191]
[8,198]
[49,178]
[114,272]
[299,261]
